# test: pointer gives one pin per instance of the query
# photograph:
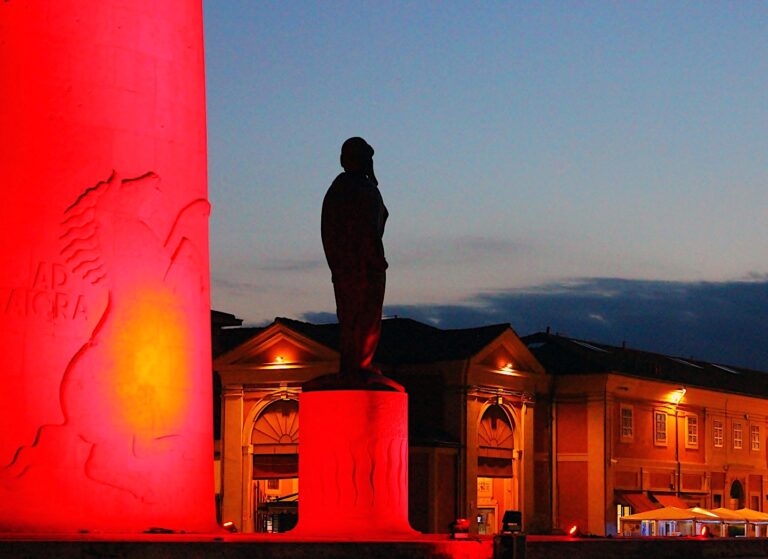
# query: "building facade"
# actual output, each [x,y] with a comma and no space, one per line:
[636,430]
[477,399]
[565,431]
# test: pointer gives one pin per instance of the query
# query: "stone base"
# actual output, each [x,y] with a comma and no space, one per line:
[237,546]
[353,464]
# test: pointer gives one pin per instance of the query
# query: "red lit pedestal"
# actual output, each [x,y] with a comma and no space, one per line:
[353,465]
[105,408]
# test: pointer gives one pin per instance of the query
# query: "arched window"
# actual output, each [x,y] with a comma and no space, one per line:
[277,424]
[496,436]
[275,441]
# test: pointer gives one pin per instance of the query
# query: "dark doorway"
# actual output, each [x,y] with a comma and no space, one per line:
[737,495]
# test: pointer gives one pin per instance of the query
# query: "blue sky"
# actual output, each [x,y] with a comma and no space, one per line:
[520,147]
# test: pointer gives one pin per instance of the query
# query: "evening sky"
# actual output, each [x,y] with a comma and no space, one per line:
[526,152]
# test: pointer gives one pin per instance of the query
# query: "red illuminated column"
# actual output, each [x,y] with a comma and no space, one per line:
[353,465]
[105,411]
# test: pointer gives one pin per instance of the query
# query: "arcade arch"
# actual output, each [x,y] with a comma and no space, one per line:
[736,495]
[497,466]
[272,434]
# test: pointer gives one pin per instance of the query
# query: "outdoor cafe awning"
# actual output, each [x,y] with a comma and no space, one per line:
[638,501]
[728,515]
[712,516]
[667,513]
[667,500]
[754,516]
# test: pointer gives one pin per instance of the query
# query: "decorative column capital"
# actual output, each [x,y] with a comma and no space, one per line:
[232,392]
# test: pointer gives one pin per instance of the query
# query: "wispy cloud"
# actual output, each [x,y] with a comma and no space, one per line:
[236,287]
[447,251]
[290,265]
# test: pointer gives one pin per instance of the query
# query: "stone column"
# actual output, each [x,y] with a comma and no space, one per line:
[105,334]
[232,456]
[596,470]
[526,477]
[247,490]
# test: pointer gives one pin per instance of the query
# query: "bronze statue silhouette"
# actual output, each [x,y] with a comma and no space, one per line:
[352,227]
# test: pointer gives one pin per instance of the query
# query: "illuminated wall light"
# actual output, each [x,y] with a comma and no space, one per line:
[678,395]
[507,369]
[574,531]
[279,359]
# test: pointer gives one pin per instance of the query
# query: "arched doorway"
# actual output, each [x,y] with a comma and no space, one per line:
[275,442]
[496,481]
[736,495]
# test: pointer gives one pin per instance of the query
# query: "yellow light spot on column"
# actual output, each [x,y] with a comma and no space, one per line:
[152,359]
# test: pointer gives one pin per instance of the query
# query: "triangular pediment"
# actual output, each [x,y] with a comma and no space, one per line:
[277,347]
[507,353]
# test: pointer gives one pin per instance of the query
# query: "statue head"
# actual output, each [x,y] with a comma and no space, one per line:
[356,155]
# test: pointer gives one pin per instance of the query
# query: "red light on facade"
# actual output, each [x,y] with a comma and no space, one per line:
[704,532]
[574,531]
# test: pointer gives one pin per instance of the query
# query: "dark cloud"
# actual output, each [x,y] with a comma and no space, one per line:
[319,317]
[724,322]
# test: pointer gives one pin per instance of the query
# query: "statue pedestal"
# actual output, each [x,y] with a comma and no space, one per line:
[353,464]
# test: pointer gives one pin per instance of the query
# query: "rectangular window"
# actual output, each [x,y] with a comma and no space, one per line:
[627,423]
[660,428]
[738,435]
[754,437]
[273,484]
[717,432]
[691,431]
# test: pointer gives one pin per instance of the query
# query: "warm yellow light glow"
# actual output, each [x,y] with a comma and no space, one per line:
[279,359]
[152,353]
[508,369]
[677,395]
